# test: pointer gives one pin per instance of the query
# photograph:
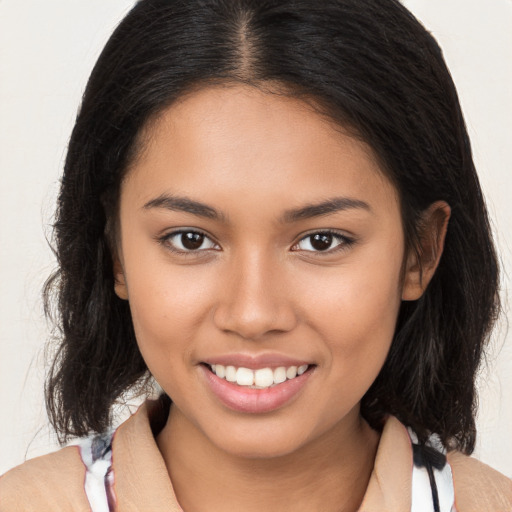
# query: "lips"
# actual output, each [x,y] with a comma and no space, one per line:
[258,385]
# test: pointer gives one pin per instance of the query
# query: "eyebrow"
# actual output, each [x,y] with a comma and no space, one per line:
[185,204]
[327,207]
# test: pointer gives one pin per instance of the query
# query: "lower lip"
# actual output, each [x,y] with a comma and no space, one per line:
[254,401]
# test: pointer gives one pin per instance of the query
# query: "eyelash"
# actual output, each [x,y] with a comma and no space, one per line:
[166,241]
[344,241]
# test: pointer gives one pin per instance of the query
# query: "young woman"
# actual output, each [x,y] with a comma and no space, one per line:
[265,208]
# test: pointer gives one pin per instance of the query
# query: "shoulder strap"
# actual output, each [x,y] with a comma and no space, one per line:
[96,453]
[432,482]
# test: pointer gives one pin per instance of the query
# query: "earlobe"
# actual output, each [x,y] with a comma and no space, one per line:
[422,261]
[120,287]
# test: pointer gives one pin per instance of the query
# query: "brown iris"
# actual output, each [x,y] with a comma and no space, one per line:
[321,241]
[192,241]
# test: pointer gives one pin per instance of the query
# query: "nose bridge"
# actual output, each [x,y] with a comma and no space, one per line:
[255,299]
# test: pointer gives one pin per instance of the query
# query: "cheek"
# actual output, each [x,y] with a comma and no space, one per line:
[169,305]
[356,297]
[355,310]
[164,307]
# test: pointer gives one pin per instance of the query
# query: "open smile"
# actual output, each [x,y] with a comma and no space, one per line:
[257,390]
[262,378]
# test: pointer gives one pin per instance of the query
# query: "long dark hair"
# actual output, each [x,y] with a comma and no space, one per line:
[367,64]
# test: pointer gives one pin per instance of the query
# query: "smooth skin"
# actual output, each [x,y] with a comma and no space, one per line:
[239,167]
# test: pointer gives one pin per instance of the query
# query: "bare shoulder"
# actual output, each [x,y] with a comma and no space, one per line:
[52,482]
[478,487]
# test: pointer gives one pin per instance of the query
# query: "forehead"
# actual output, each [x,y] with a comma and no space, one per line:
[237,142]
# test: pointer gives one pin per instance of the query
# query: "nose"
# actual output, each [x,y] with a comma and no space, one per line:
[255,300]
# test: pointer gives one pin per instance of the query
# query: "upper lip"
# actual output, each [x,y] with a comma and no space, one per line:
[253,362]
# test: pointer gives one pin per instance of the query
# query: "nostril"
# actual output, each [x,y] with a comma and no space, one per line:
[254,323]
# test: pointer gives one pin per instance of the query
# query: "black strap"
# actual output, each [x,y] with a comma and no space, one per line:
[429,458]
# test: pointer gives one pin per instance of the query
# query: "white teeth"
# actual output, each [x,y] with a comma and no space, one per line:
[219,370]
[291,372]
[302,369]
[264,377]
[244,377]
[261,378]
[230,373]
[279,375]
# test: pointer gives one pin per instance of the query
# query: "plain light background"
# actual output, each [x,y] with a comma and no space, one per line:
[47,50]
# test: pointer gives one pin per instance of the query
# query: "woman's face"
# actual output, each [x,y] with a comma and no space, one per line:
[256,242]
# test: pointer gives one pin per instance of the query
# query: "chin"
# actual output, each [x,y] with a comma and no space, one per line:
[265,437]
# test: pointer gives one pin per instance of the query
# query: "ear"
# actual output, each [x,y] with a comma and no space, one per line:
[119,279]
[422,263]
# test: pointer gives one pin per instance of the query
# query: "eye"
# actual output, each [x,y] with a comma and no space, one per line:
[186,241]
[323,241]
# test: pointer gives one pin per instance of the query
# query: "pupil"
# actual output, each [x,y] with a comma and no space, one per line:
[192,240]
[321,242]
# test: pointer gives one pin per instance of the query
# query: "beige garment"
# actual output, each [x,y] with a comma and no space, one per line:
[54,482]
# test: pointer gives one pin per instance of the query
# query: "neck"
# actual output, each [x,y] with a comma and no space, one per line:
[330,474]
